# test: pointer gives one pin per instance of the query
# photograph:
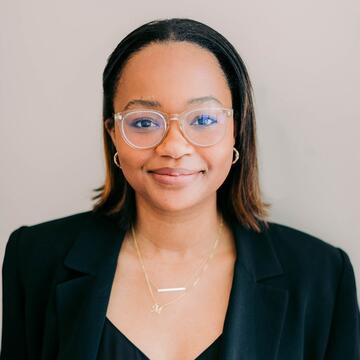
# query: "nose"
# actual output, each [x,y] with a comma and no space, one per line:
[174,144]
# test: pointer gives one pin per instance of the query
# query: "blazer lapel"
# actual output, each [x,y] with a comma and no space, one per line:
[256,311]
[82,301]
[254,318]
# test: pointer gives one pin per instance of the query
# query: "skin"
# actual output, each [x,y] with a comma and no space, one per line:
[172,73]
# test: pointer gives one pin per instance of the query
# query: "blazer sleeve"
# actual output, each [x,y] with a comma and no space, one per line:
[344,338]
[13,340]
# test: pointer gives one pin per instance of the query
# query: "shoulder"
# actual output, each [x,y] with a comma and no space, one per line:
[305,257]
[43,244]
[298,241]
[48,232]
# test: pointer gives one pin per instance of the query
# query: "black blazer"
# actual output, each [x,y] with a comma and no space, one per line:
[294,295]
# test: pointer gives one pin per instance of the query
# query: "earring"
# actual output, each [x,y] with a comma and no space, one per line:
[116,160]
[236,155]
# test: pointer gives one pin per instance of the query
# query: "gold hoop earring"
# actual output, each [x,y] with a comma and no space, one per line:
[116,160]
[237,155]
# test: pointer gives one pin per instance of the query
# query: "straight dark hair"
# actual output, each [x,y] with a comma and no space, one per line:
[239,197]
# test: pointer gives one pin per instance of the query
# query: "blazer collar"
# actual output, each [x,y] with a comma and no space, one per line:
[255,314]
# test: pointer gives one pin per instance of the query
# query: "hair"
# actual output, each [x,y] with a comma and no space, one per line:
[239,197]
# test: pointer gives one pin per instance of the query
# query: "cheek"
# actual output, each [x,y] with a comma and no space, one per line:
[220,156]
[131,160]
[132,163]
[129,157]
[219,161]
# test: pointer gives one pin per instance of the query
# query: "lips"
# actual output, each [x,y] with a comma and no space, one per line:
[176,178]
[174,171]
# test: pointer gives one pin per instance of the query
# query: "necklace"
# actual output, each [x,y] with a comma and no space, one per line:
[156,307]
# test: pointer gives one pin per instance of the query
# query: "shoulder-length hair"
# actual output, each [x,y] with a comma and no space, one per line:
[239,197]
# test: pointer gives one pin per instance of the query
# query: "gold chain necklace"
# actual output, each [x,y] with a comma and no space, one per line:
[156,307]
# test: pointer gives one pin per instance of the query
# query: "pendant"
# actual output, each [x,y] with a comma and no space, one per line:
[171,289]
[156,308]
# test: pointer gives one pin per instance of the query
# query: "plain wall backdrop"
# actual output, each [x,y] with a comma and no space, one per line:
[302,56]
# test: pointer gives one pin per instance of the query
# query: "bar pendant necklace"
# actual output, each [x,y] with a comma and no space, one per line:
[171,289]
[156,307]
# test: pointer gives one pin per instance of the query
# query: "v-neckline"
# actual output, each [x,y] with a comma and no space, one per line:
[120,333]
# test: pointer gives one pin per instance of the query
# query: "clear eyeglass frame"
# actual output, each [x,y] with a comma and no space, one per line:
[119,116]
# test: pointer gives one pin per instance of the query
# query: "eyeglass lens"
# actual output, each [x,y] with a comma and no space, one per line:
[147,129]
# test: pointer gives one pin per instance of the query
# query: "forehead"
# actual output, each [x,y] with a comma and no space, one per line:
[171,73]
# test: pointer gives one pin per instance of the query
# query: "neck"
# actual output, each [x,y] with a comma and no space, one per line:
[178,237]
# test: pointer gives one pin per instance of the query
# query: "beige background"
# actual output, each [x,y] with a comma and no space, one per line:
[303,58]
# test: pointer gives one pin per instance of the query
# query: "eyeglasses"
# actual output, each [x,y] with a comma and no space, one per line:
[144,129]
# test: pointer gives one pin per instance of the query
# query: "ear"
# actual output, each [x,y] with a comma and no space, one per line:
[110,128]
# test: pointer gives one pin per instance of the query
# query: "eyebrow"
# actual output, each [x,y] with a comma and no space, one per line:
[152,103]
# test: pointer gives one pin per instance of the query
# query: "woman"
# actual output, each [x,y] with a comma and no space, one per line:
[176,260]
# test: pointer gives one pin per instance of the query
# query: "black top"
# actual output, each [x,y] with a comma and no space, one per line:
[115,345]
[300,285]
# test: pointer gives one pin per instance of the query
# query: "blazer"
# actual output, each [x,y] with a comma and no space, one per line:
[293,295]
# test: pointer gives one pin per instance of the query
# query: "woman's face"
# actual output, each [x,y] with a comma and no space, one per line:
[171,74]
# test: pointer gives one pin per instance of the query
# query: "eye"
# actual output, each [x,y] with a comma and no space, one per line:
[144,123]
[204,120]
